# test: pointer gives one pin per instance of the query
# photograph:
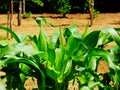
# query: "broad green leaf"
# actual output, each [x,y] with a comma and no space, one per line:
[92,63]
[72,30]
[23,38]
[68,68]
[114,51]
[51,72]
[54,40]
[39,21]
[25,69]
[93,84]
[26,49]
[104,38]
[43,39]
[61,40]
[72,45]
[65,71]
[106,56]
[51,55]
[91,39]
[34,39]
[88,43]
[58,59]
[113,34]
[14,49]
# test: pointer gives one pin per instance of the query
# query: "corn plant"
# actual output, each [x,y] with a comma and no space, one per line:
[65,56]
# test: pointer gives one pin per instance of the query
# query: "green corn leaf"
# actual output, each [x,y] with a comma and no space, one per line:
[72,45]
[23,78]
[81,79]
[86,30]
[106,56]
[61,40]
[54,66]
[73,39]
[87,44]
[54,40]
[72,30]
[114,50]
[93,84]
[42,41]
[25,69]
[92,63]
[116,79]
[34,39]
[29,63]
[51,55]
[3,43]
[14,49]
[58,59]
[112,32]
[117,29]
[104,38]
[68,68]
[42,38]
[91,39]
[51,72]
[23,37]
[39,21]
[11,32]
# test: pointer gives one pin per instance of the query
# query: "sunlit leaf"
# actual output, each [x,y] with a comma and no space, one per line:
[11,32]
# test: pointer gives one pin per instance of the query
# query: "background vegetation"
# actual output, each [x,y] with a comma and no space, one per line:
[53,6]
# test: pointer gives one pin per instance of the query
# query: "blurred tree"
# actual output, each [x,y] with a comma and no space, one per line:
[38,2]
[91,10]
[10,15]
[23,9]
[19,12]
[3,6]
[64,7]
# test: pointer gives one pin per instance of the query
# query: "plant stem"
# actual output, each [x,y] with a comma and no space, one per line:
[62,86]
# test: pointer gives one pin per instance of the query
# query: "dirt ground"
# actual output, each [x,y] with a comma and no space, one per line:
[29,26]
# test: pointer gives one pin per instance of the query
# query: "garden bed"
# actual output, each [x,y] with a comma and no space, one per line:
[29,26]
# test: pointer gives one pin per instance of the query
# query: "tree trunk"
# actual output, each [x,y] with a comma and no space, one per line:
[19,12]
[91,9]
[10,15]
[23,7]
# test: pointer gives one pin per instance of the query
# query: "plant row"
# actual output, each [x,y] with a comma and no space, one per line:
[66,56]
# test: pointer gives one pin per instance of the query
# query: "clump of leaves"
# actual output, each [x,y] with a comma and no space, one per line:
[26,15]
[65,56]
[64,7]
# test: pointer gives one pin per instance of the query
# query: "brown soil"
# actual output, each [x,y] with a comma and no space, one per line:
[29,26]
